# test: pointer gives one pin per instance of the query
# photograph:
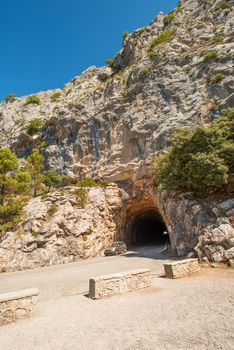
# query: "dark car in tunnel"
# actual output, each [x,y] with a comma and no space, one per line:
[116,248]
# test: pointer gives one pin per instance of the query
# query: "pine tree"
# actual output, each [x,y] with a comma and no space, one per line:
[51,178]
[34,166]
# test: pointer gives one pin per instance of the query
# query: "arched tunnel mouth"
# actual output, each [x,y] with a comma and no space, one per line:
[148,227]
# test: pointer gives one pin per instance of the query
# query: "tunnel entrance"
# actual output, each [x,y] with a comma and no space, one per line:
[148,228]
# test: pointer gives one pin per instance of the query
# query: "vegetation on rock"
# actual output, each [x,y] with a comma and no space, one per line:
[125,35]
[10,98]
[33,99]
[34,166]
[168,19]
[14,186]
[163,37]
[55,96]
[215,78]
[210,55]
[199,159]
[34,126]
[81,195]
[51,179]
[110,62]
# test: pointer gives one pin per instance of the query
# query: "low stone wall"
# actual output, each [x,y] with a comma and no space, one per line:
[181,268]
[118,283]
[17,305]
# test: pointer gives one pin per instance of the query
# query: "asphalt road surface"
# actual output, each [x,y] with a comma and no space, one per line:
[70,279]
[194,313]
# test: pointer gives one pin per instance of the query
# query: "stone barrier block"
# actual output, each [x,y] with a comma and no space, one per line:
[181,268]
[17,305]
[118,283]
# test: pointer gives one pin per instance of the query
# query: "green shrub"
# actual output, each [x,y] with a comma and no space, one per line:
[143,30]
[10,214]
[33,99]
[81,196]
[87,183]
[210,55]
[34,166]
[125,35]
[215,78]
[55,96]
[34,126]
[179,9]
[110,62]
[199,159]
[168,19]
[105,183]
[217,39]
[35,234]
[52,210]
[51,178]
[10,98]
[43,144]
[14,188]
[163,37]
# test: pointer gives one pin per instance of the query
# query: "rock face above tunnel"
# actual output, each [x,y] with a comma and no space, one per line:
[109,122]
[56,229]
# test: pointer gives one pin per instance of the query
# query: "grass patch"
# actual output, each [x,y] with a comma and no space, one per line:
[210,55]
[55,96]
[33,99]
[35,234]
[163,38]
[34,126]
[52,210]
[81,195]
[110,62]
[215,78]
[217,40]
[168,19]
[10,98]
[125,35]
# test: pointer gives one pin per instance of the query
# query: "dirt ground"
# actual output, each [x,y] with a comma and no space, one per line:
[193,313]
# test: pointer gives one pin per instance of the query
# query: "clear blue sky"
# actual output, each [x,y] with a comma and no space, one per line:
[44,43]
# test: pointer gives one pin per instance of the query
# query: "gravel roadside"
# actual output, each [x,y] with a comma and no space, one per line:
[193,313]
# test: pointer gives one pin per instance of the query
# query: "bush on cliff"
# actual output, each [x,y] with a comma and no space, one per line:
[33,99]
[199,159]
[14,186]
[162,38]
[34,166]
[34,126]
[51,179]
[10,98]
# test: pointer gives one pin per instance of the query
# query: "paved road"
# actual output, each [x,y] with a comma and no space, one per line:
[193,313]
[71,279]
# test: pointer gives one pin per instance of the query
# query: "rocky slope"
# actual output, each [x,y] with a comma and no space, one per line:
[109,122]
[147,94]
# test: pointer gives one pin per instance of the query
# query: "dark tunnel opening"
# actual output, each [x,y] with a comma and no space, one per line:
[149,228]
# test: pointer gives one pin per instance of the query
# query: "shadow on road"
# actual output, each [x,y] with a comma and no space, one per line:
[152,251]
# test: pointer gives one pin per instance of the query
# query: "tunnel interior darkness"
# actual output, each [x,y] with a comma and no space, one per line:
[148,227]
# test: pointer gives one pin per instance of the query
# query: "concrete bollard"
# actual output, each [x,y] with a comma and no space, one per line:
[17,305]
[181,268]
[119,283]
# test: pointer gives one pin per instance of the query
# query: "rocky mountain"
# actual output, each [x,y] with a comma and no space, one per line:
[109,123]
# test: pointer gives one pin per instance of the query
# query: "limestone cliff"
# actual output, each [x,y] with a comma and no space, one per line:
[109,122]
